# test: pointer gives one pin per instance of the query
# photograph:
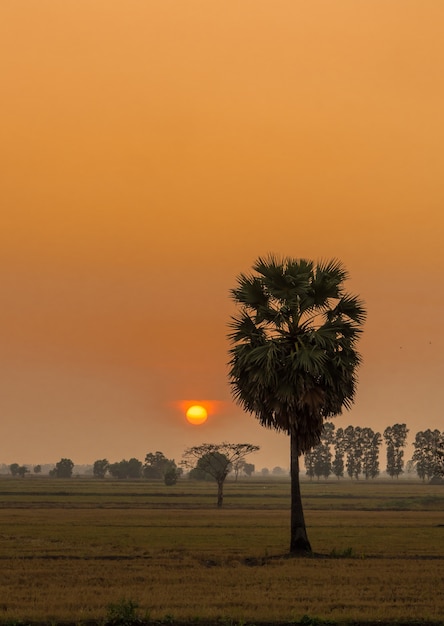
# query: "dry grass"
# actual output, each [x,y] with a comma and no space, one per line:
[68,560]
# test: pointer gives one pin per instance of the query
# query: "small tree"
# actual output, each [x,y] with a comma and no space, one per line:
[410,467]
[155,465]
[237,468]
[158,466]
[22,471]
[278,471]
[18,470]
[248,469]
[171,474]
[63,468]
[216,460]
[14,469]
[37,469]
[100,468]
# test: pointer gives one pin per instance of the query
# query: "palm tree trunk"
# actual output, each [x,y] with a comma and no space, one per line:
[299,543]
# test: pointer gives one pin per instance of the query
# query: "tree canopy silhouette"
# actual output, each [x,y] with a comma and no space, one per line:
[293,356]
[216,460]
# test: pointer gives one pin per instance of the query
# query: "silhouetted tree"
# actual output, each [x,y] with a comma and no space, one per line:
[100,468]
[219,462]
[318,459]
[354,451]
[248,469]
[439,470]
[426,456]
[371,443]
[237,467]
[278,471]
[126,469]
[309,462]
[338,465]
[134,468]
[216,460]
[294,358]
[37,469]
[172,474]
[14,469]
[410,466]
[155,465]
[63,469]
[18,470]
[158,466]
[323,465]
[119,469]
[395,439]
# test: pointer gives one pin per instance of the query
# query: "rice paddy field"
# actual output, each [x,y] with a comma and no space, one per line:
[85,550]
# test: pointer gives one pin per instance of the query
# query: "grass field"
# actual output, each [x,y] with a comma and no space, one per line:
[69,549]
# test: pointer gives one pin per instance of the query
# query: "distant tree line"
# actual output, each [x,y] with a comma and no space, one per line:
[355,451]
[351,451]
[156,465]
[208,460]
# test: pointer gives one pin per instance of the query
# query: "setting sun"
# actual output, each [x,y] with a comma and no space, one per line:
[197,414]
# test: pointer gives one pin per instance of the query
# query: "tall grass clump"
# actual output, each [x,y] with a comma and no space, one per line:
[123,613]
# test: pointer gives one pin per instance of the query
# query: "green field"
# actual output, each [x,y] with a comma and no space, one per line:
[69,549]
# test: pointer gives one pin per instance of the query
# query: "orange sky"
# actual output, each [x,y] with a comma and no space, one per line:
[151,150]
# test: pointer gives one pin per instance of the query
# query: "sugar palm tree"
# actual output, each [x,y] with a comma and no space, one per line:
[293,356]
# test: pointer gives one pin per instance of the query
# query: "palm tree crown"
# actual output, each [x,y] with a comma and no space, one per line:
[293,357]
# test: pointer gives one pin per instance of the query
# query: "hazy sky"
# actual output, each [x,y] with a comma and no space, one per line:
[151,150]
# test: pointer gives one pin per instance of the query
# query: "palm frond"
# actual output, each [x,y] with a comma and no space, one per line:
[250,292]
[244,329]
[308,359]
[351,307]
[333,269]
